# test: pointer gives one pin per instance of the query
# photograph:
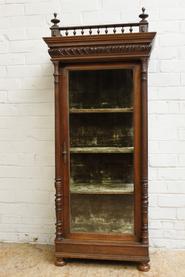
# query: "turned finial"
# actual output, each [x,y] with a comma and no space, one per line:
[55,31]
[55,20]
[143,16]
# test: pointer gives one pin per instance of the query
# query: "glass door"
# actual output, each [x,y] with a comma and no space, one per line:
[101,127]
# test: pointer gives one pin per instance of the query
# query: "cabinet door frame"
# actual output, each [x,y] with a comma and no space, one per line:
[65,150]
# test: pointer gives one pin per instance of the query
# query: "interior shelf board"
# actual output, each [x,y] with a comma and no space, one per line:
[101,192]
[102,149]
[102,189]
[102,110]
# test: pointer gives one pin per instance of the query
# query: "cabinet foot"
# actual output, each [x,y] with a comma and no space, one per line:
[143,266]
[59,261]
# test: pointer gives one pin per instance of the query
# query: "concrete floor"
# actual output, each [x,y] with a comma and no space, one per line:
[27,260]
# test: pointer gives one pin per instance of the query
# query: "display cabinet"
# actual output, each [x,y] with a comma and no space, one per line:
[100,75]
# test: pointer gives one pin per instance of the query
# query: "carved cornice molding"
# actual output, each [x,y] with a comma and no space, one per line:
[96,50]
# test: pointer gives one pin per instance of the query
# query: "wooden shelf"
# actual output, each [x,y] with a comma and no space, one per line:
[102,110]
[107,188]
[102,149]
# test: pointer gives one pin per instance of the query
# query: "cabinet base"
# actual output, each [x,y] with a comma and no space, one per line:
[143,266]
[102,250]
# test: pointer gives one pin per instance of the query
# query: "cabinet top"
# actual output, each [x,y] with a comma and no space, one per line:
[95,41]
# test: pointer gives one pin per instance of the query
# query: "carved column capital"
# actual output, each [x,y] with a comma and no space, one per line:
[144,68]
[56,71]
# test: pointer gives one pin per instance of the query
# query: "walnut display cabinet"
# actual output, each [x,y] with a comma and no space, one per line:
[101,181]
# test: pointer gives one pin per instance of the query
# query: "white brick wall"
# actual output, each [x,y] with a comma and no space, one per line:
[27,114]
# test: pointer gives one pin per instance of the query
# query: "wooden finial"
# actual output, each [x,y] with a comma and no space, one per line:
[55,20]
[143,15]
[144,23]
[55,32]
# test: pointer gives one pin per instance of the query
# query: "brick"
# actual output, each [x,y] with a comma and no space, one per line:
[12,10]
[181,213]
[172,40]
[3,71]
[24,71]
[163,186]
[153,66]
[30,96]
[153,200]
[29,123]
[180,225]
[16,34]
[26,172]
[6,84]
[31,146]
[3,45]
[117,5]
[173,13]
[12,59]
[7,196]
[172,147]
[41,58]
[170,93]
[168,52]
[171,201]
[163,160]
[158,187]
[155,224]
[26,21]
[157,107]
[170,234]
[69,18]
[36,32]
[102,17]
[162,213]
[17,159]
[80,5]
[162,133]
[172,66]
[183,79]
[167,26]
[23,110]
[3,96]
[40,8]
[26,183]
[24,46]
[171,173]
[37,83]
[31,196]
[168,224]
[156,233]
[164,79]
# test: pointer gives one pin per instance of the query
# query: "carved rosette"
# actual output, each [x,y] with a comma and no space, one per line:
[95,50]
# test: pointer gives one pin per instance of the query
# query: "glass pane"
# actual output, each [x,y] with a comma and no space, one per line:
[101,88]
[110,129]
[102,213]
[101,159]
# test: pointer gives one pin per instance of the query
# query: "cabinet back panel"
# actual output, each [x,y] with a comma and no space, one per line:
[101,169]
[101,88]
[101,130]
[102,214]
